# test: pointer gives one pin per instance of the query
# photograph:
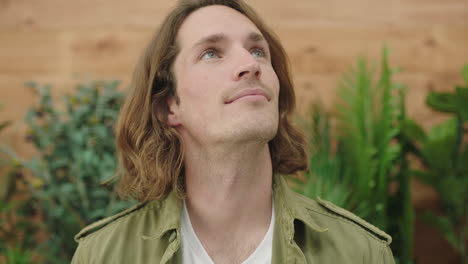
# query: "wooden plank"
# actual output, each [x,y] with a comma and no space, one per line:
[29,53]
[71,53]
[118,14]
[38,15]
[363,12]
[107,52]
[420,49]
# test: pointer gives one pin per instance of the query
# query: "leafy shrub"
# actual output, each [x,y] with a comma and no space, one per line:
[17,256]
[367,157]
[445,156]
[16,213]
[16,227]
[324,178]
[77,154]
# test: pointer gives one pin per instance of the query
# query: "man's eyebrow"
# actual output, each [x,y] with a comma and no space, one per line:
[215,38]
[256,37]
[210,39]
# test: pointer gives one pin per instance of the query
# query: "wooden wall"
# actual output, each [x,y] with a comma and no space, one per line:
[63,42]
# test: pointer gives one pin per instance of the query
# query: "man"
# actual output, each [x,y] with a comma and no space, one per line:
[203,138]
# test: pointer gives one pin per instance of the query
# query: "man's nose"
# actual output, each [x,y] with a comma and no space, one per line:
[248,67]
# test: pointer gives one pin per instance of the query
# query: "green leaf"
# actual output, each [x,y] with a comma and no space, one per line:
[443,131]
[452,190]
[439,147]
[426,177]
[17,256]
[444,102]
[412,131]
[57,212]
[461,94]
[88,156]
[97,213]
[5,124]
[67,189]
[443,225]
[438,155]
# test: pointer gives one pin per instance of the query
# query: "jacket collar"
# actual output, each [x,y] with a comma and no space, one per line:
[293,206]
[290,206]
[169,209]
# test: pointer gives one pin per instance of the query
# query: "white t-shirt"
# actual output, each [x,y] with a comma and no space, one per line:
[194,253]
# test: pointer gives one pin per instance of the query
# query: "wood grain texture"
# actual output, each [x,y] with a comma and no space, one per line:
[62,42]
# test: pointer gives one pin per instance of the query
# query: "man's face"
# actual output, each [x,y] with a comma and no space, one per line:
[226,84]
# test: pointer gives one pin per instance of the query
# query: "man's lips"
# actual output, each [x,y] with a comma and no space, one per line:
[248,92]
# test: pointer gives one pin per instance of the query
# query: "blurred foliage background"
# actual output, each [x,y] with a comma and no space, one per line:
[366,163]
[65,181]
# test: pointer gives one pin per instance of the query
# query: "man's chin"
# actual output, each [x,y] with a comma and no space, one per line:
[261,133]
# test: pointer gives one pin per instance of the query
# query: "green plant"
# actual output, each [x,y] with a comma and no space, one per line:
[325,166]
[16,228]
[17,256]
[16,214]
[370,126]
[357,173]
[445,156]
[400,208]
[367,123]
[77,154]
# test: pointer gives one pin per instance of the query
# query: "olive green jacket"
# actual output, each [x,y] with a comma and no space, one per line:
[306,231]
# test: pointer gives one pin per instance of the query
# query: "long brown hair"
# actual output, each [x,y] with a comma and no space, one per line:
[150,152]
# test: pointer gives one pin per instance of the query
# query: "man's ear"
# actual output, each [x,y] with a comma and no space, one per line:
[173,112]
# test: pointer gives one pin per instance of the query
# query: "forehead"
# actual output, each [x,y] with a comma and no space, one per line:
[215,19]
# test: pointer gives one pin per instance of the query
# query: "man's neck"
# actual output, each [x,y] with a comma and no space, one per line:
[229,198]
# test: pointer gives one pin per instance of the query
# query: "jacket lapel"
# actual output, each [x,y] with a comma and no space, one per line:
[292,213]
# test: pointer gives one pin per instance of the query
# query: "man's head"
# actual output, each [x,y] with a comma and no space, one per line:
[187,85]
[223,55]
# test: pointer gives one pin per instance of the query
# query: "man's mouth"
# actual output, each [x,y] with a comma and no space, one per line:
[249,93]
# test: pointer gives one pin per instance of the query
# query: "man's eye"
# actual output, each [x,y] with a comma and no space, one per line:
[259,52]
[209,54]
